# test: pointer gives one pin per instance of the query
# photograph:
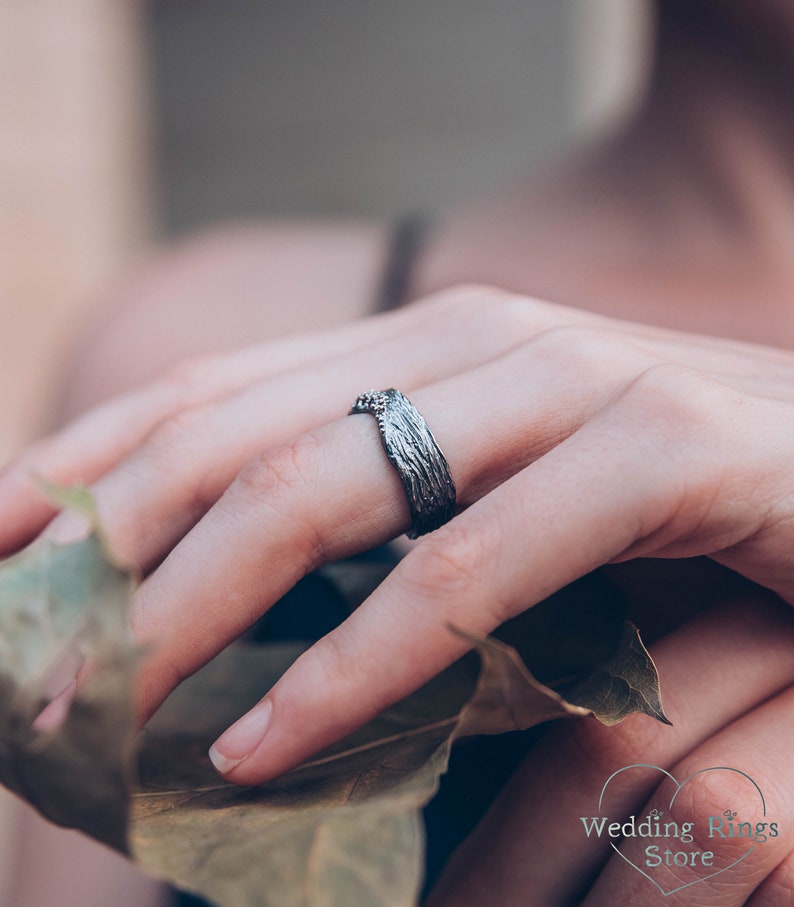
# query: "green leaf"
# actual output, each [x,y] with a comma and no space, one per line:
[73,497]
[61,605]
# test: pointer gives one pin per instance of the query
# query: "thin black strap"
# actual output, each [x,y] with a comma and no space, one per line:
[407,241]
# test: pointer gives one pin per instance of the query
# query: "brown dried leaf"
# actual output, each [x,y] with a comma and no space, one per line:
[344,828]
[626,682]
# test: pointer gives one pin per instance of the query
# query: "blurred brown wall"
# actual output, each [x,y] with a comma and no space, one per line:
[74,187]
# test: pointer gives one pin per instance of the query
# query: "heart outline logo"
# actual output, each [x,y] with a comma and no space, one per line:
[679,786]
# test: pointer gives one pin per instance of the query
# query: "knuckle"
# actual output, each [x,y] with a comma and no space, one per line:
[335,664]
[702,799]
[678,417]
[284,480]
[574,346]
[175,449]
[492,309]
[452,559]
[471,296]
[332,671]
[179,435]
[484,307]
[452,562]
[779,887]
[678,401]
[286,469]
[469,303]
[522,317]
[185,377]
[606,749]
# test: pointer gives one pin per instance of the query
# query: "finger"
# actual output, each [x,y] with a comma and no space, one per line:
[332,492]
[184,463]
[618,480]
[532,838]
[716,355]
[159,492]
[94,443]
[182,468]
[777,888]
[758,745]
[91,445]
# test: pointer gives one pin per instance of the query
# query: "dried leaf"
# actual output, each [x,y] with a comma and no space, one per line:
[508,697]
[59,605]
[344,828]
[626,682]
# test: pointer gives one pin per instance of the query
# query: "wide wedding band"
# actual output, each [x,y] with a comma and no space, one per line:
[415,455]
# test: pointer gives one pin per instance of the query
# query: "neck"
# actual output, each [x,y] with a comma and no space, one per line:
[719,119]
[687,218]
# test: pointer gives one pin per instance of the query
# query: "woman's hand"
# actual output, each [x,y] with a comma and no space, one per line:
[726,678]
[574,441]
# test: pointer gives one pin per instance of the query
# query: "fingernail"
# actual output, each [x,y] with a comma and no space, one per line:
[67,528]
[54,713]
[242,738]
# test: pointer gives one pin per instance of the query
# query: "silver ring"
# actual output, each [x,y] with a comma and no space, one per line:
[414,453]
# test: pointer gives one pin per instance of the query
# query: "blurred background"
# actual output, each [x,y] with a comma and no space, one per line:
[124,125]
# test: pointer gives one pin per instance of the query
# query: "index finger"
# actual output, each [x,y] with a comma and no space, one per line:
[332,493]
[585,503]
[476,572]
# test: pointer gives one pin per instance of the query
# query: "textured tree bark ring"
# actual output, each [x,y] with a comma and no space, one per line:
[415,454]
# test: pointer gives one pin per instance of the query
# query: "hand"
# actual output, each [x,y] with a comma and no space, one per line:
[574,440]
[726,678]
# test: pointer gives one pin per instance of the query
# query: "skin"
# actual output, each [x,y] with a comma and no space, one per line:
[621,440]
[614,456]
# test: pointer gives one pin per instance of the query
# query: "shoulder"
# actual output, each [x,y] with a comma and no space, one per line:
[224,288]
[266,278]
